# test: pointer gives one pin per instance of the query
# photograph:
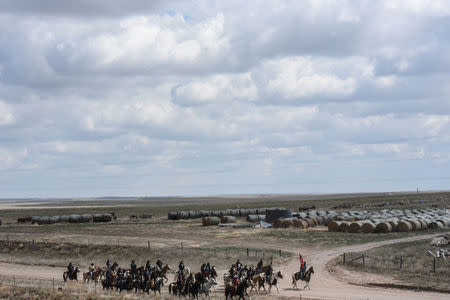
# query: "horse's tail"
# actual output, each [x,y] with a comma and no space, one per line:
[170,288]
[65,276]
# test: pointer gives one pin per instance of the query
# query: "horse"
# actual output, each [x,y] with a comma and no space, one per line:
[163,272]
[258,282]
[306,278]
[71,276]
[156,286]
[206,287]
[273,281]
[239,290]
[95,275]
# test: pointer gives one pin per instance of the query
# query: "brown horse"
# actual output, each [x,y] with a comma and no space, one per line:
[95,275]
[163,272]
[306,278]
[257,283]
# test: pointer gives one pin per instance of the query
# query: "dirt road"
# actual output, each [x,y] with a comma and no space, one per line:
[323,284]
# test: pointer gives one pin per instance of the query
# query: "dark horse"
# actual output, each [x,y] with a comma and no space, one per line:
[240,290]
[306,278]
[71,276]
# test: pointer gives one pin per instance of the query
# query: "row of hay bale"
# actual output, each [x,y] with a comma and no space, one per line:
[431,213]
[214,221]
[385,226]
[83,218]
[238,212]
[301,223]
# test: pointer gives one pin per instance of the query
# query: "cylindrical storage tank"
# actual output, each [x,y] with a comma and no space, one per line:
[404,226]
[252,218]
[228,219]
[344,226]
[333,226]
[274,214]
[416,225]
[368,227]
[355,227]
[182,215]
[210,221]
[383,227]
[171,215]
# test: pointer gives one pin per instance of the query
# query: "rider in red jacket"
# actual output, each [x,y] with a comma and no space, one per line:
[302,263]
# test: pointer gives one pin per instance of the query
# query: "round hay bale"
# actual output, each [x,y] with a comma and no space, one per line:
[182,215]
[274,214]
[54,219]
[368,227]
[252,218]
[254,211]
[204,213]
[215,213]
[85,218]
[35,219]
[383,227]
[98,218]
[299,223]
[228,219]
[261,217]
[44,220]
[316,222]
[74,218]
[435,225]
[445,222]
[404,226]
[333,226]
[106,217]
[394,225]
[344,226]
[171,215]
[64,219]
[320,220]
[210,221]
[234,212]
[260,211]
[243,212]
[193,214]
[287,223]
[416,225]
[278,223]
[225,212]
[310,222]
[423,223]
[355,227]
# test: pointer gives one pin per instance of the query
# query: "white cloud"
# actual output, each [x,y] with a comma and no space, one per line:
[7,116]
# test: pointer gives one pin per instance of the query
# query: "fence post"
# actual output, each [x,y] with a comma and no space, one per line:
[364,262]
[401,262]
[344,257]
[279,252]
[14,279]
[53,283]
[7,239]
[434,264]
[182,248]
[148,243]
[247,252]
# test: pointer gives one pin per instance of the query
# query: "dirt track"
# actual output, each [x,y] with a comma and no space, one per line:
[323,284]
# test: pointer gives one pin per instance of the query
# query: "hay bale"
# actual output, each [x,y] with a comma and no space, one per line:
[244,212]
[261,211]
[445,222]
[383,227]
[416,225]
[85,218]
[210,221]
[404,226]
[423,223]
[278,223]
[228,219]
[234,212]
[172,215]
[274,214]
[355,227]
[286,223]
[394,225]
[252,218]
[310,222]
[344,226]
[299,223]
[182,215]
[215,213]
[333,226]
[435,225]
[368,227]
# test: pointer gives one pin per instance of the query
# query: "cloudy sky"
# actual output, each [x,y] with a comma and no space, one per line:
[146,98]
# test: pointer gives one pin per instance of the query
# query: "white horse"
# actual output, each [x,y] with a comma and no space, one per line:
[206,287]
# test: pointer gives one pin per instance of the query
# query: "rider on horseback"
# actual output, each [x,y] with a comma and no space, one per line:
[133,267]
[302,265]
[70,268]
[181,267]
[238,265]
[259,266]
[159,263]
[148,267]
[91,271]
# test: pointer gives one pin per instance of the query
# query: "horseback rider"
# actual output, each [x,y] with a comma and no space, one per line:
[159,263]
[208,270]
[133,267]
[259,266]
[235,280]
[181,267]
[232,271]
[302,265]
[91,271]
[148,266]
[70,268]
[108,264]
[238,265]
